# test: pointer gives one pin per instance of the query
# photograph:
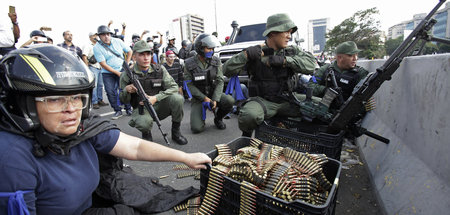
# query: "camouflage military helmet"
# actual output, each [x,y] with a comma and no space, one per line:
[279,23]
[348,47]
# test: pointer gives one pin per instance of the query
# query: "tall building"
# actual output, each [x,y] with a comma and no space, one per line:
[185,27]
[317,29]
[440,29]
[396,30]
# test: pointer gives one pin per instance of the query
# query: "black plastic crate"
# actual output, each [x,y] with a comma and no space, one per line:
[301,136]
[265,203]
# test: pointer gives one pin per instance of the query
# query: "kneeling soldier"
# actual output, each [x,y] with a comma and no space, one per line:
[204,79]
[162,92]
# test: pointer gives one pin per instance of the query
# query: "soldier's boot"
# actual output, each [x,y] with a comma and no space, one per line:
[218,119]
[176,134]
[147,136]
[247,133]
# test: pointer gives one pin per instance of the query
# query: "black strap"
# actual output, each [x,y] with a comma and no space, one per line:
[107,48]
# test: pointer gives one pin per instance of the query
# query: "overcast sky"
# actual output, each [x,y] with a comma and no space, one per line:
[83,16]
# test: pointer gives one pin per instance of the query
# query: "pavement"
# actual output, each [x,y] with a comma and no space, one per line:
[355,190]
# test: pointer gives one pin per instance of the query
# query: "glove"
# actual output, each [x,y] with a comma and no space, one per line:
[254,52]
[276,61]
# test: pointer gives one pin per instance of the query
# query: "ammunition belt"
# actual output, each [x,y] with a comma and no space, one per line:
[281,172]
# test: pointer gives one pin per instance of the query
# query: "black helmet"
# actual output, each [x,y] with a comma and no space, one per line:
[185,43]
[37,33]
[103,29]
[135,36]
[204,40]
[39,70]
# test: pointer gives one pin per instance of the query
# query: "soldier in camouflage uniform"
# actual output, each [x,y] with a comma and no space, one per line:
[270,67]
[161,90]
[204,78]
[346,72]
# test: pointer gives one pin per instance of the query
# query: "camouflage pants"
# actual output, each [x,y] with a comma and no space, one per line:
[197,123]
[252,113]
[170,106]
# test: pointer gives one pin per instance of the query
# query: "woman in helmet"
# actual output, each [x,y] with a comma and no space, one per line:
[49,142]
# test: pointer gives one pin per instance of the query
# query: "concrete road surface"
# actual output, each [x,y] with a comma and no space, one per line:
[355,195]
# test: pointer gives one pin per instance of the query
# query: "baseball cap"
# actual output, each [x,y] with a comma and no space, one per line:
[348,47]
[141,46]
[169,52]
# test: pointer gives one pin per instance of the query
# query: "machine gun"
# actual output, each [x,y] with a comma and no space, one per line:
[369,85]
[311,109]
[143,97]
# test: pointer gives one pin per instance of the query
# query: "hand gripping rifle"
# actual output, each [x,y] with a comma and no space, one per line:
[340,98]
[140,91]
[369,85]
[143,97]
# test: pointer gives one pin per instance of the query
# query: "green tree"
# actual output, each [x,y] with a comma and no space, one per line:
[430,48]
[443,47]
[392,44]
[363,29]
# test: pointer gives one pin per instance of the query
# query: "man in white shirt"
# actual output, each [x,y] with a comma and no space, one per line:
[94,66]
[9,33]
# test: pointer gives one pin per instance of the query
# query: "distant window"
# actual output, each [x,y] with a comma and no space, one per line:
[250,33]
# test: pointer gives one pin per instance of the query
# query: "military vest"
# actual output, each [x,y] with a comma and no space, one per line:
[203,79]
[175,71]
[269,82]
[152,83]
[345,80]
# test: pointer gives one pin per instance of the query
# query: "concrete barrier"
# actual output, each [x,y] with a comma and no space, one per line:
[412,173]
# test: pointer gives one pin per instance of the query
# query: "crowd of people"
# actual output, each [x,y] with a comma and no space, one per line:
[59,137]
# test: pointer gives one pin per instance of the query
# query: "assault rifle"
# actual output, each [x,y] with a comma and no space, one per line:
[340,98]
[143,97]
[140,91]
[369,85]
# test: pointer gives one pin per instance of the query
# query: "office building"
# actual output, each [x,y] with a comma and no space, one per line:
[317,29]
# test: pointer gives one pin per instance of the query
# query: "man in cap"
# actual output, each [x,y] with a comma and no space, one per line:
[109,52]
[346,72]
[161,91]
[270,67]
[171,45]
[94,66]
[36,36]
[175,69]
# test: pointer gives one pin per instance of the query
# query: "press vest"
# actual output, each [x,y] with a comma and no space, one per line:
[203,79]
[269,82]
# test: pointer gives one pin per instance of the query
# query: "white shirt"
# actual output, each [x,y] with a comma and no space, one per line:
[88,50]
[6,33]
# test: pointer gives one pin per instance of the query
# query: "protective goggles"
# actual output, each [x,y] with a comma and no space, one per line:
[55,104]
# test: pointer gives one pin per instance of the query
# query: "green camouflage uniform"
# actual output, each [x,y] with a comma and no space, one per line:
[346,79]
[224,102]
[169,102]
[321,83]
[257,109]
